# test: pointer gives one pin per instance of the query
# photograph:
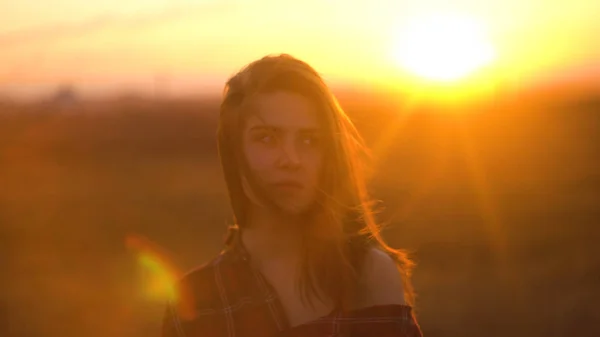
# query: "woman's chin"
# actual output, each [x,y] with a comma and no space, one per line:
[294,208]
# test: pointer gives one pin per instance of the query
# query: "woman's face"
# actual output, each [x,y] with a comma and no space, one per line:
[282,146]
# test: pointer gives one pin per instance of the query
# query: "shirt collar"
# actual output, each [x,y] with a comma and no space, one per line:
[235,244]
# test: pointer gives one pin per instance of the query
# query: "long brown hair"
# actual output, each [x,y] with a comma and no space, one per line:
[343,226]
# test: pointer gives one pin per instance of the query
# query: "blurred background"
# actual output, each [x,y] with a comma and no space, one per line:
[484,118]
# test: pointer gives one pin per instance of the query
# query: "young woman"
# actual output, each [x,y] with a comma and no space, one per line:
[304,257]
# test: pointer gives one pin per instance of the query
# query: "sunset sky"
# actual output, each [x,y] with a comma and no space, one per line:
[193,45]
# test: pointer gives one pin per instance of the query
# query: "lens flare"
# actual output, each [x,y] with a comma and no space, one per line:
[161,276]
[159,273]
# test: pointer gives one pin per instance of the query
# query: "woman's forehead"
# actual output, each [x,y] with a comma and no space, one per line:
[283,110]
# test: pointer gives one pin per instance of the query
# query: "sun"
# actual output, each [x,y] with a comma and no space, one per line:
[443,47]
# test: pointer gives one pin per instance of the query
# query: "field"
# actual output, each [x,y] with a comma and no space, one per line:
[499,204]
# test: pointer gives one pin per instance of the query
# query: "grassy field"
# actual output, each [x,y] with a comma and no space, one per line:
[498,203]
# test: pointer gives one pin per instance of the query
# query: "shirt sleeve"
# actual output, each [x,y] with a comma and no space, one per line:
[171,323]
[383,321]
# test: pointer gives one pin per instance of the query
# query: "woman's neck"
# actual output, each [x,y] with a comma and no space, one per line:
[269,235]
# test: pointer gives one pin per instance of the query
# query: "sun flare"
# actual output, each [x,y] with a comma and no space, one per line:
[443,47]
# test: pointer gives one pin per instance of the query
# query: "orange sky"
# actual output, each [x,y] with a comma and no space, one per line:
[125,45]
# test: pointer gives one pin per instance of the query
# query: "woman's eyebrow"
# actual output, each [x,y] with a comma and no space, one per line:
[273,128]
[310,130]
[264,127]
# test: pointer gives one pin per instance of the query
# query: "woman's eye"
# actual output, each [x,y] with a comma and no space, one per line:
[310,140]
[265,138]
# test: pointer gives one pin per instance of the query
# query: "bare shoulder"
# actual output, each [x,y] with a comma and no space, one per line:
[382,281]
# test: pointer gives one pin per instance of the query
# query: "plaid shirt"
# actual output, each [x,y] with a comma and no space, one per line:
[228,298]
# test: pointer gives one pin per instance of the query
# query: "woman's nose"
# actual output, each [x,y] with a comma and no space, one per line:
[290,158]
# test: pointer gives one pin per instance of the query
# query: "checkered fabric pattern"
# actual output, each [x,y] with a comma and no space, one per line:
[229,298]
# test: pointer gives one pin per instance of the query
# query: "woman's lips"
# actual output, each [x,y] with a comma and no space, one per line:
[288,185]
